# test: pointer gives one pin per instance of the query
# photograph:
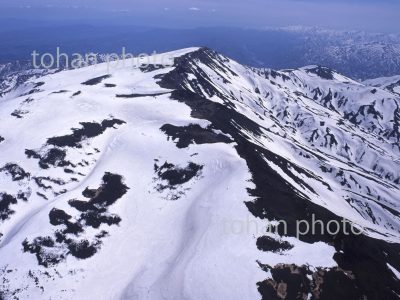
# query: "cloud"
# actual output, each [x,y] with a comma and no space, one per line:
[194,8]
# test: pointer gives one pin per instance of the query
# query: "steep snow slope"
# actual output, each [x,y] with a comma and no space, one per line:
[157,183]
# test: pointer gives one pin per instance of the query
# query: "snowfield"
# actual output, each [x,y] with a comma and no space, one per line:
[152,183]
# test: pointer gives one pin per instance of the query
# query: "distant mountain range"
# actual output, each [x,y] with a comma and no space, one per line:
[357,54]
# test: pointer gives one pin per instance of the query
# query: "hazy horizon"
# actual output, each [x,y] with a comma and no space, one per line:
[370,15]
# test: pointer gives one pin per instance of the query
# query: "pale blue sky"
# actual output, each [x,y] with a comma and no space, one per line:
[372,15]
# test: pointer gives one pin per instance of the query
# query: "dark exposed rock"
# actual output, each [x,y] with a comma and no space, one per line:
[178,78]
[193,134]
[317,93]
[322,72]
[17,173]
[38,84]
[96,80]
[392,86]
[150,68]
[293,282]
[330,139]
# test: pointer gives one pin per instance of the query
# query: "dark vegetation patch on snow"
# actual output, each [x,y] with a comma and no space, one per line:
[266,243]
[96,80]
[109,85]
[172,178]
[41,195]
[19,113]
[17,173]
[70,237]
[140,95]
[40,181]
[60,92]
[54,156]
[53,152]
[193,134]
[1,139]
[69,171]
[6,200]
[88,130]
[6,291]
[175,175]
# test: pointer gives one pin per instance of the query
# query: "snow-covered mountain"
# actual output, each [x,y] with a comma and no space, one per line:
[156,183]
[12,75]
[391,84]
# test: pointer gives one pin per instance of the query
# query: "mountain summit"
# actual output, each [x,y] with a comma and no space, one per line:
[155,183]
